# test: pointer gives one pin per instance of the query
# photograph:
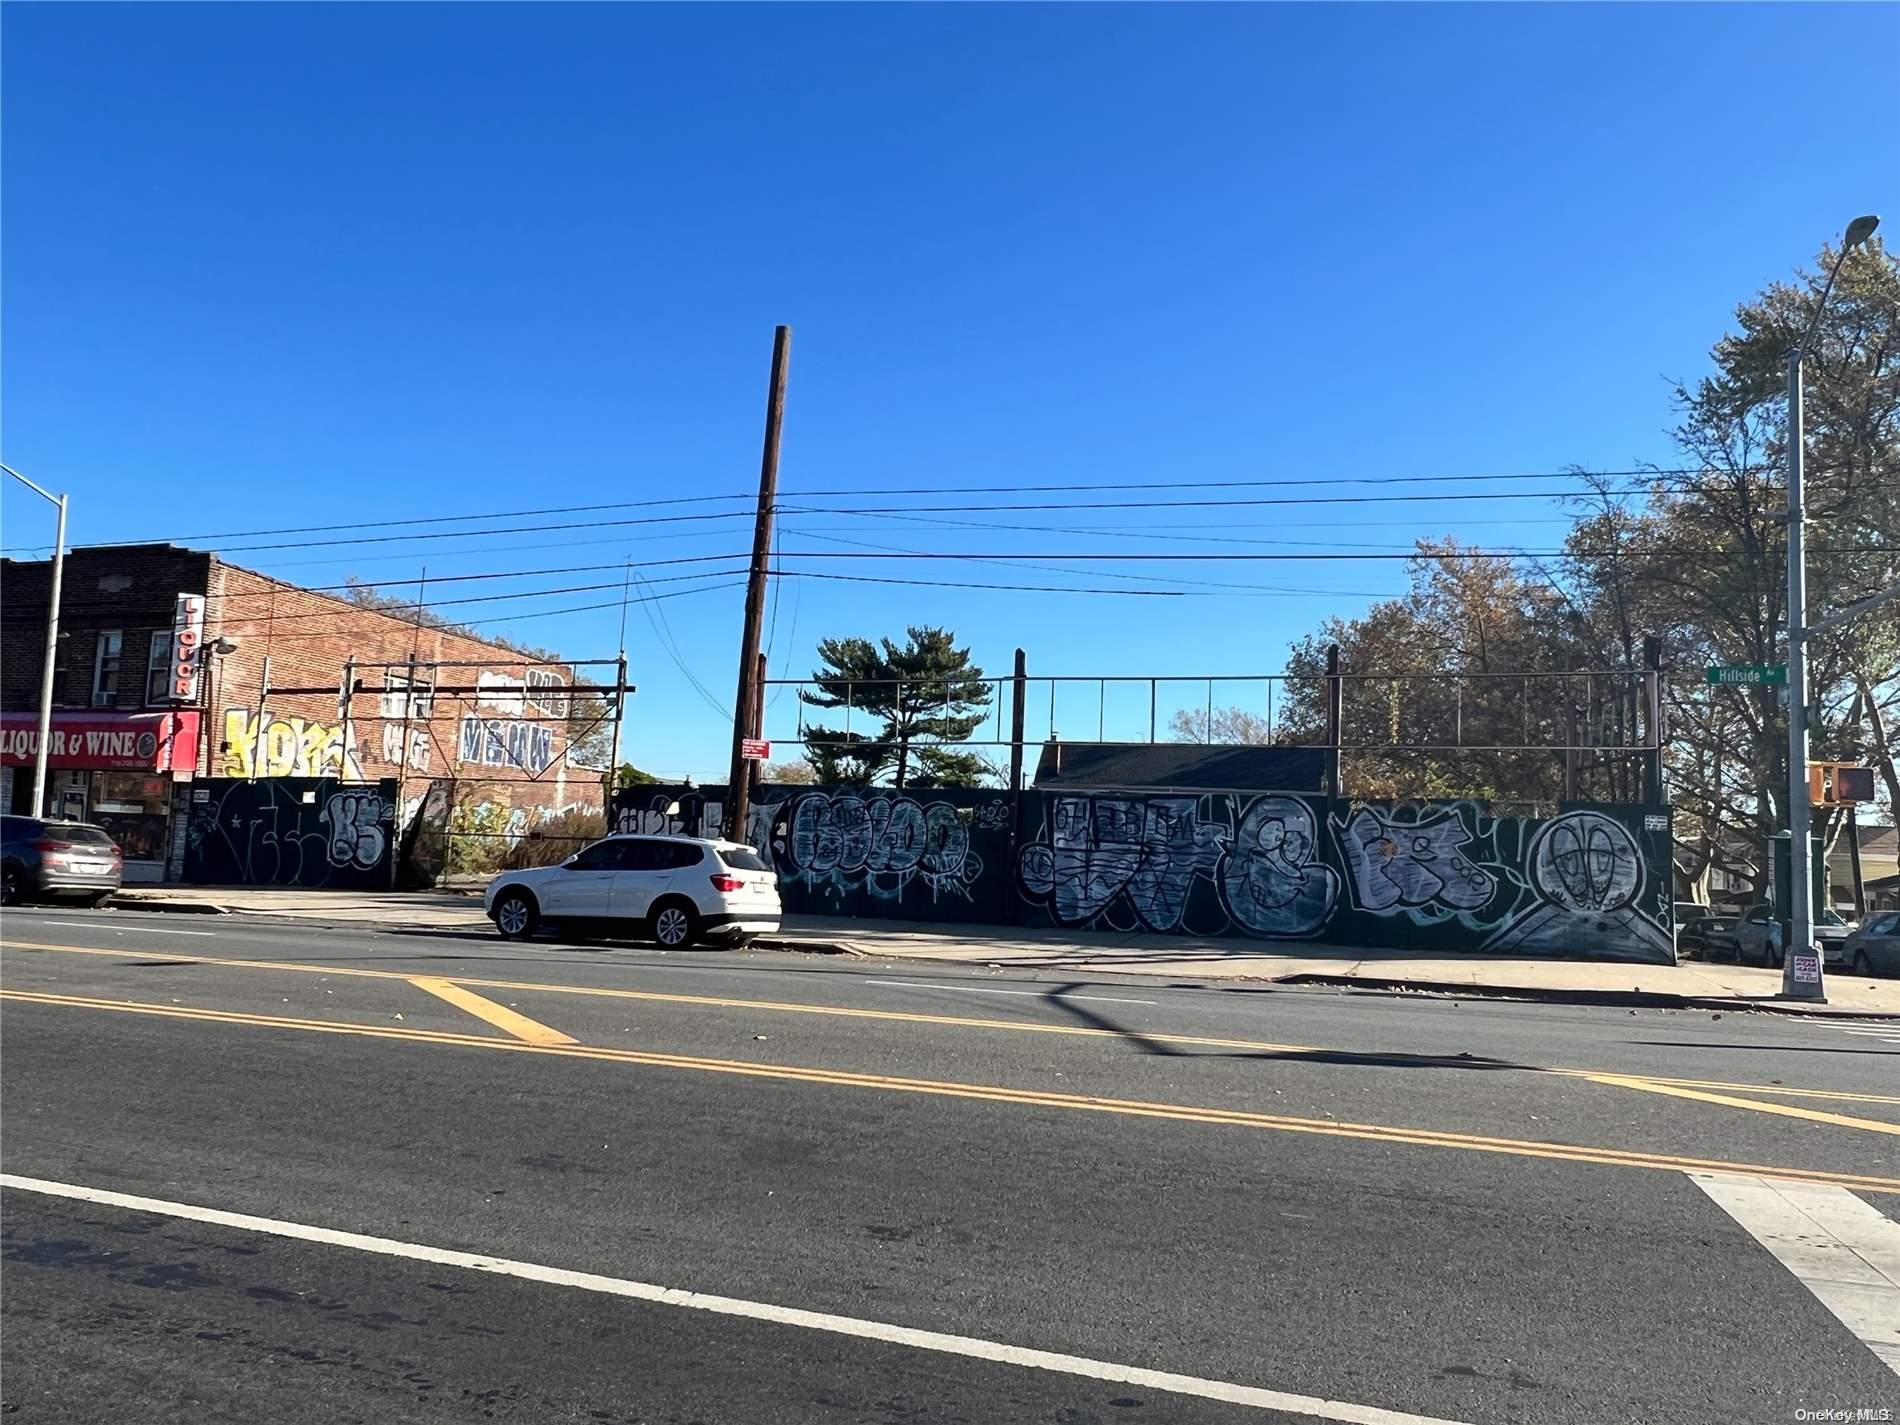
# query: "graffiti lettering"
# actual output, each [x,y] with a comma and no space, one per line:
[287,831]
[878,844]
[354,821]
[1144,850]
[413,753]
[504,742]
[1412,863]
[1272,879]
[290,747]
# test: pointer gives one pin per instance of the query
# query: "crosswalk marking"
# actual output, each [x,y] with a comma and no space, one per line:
[1843,1251]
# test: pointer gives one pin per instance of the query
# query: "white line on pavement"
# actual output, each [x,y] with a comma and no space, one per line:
[971,1346]
[1031,994]
[1839,1248]
[115,930]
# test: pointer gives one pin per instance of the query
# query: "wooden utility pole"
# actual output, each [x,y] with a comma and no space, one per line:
[738,784]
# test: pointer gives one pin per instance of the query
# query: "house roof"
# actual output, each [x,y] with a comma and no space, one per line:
[1181,766]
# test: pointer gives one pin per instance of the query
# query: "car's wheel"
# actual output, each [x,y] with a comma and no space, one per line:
[673,925]
[516,915]
[10,885]
[1863,964]
[1774,956]
[95,901]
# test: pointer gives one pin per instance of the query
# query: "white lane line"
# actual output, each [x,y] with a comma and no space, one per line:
[113,929]
[1843,1251]
[1030,994]
[973,1347]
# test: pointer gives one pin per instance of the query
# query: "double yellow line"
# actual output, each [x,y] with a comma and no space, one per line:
[1136,1108]
[1014,1026]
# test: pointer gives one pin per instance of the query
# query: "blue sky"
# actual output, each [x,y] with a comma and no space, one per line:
[277,266]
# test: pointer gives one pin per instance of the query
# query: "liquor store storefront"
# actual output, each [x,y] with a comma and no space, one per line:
[124,771]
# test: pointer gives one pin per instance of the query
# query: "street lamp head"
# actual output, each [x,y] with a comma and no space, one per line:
[1861,229]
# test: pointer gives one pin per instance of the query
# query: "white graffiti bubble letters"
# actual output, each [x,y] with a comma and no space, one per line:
[1146,850]
[879,844]
[1412,864]
[1272,878]
[353,822]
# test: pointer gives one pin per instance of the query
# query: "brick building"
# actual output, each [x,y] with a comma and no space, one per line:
[161,684]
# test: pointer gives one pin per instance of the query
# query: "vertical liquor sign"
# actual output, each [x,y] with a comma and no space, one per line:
[188,631]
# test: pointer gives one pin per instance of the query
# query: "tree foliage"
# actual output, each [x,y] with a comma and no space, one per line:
[1228,726]
[1698,559]
[922,697]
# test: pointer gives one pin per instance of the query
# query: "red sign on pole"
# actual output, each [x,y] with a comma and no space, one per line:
[755,749]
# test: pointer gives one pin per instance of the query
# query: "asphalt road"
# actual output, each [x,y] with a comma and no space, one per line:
[935,1196]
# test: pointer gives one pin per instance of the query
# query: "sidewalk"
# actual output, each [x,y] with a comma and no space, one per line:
[1692,984]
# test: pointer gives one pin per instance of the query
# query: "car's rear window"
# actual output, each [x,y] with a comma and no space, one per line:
[742,858]
[74,832]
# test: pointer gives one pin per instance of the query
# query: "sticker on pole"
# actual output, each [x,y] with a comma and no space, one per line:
[755,749]
[1806,969]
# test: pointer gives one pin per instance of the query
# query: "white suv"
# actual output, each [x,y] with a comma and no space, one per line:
[672,889]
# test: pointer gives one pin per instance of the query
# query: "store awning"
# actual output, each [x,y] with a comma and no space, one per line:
[102,740]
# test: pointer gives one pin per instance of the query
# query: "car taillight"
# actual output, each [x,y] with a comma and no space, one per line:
[54,848]
[726,885]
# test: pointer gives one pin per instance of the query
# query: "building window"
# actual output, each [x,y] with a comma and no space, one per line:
[158,670]
[402,699]
[105,668]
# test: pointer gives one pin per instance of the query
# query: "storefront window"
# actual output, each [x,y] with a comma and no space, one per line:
[132,807]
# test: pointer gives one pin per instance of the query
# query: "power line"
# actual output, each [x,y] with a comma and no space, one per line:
[889,490]
[1074,487]
[1139,578]
[1220,555]
[405,615]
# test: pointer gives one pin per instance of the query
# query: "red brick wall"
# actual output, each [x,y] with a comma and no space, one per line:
[308,637]
[128,588]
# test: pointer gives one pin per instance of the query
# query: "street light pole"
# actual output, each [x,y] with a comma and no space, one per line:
[1800,953]
[52,639]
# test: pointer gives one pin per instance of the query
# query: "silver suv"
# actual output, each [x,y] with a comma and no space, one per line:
[57,858]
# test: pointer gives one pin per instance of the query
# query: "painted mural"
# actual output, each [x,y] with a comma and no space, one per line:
[1432,876]
[1439,877]
[291,831]
[279,746]
[873,851]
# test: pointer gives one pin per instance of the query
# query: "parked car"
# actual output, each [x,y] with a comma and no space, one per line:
[1712,937]
[1687,911]
[1762,936]
[1874,949]
[673,889]
[50,859]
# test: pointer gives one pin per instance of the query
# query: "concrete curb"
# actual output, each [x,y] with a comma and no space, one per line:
[168,906]
[1632,999]
[1611,999]
[812,947]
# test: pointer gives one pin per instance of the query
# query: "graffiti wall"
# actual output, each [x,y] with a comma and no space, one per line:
[291,831]
[927,855]
[1592,882]
[1447,877]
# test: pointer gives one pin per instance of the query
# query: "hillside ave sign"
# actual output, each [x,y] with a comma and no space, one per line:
[1747,674]
[144,742]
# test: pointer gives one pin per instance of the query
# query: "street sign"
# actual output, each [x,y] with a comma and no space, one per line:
[1753,674]
[755,749]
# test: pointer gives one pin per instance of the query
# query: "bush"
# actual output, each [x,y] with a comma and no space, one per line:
[554,839]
